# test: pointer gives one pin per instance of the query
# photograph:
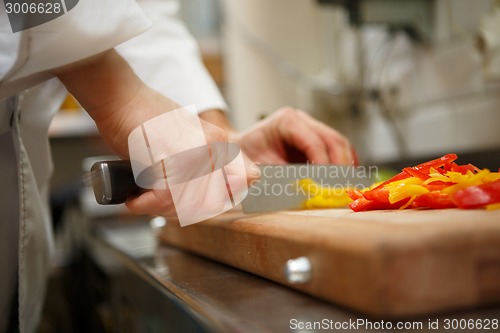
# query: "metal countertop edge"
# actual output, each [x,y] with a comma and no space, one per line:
[199,309]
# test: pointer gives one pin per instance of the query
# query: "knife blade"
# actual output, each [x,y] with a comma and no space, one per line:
[278,189]
[113,182]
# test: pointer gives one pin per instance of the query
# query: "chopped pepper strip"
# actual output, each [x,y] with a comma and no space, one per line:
[478,196]
[494,206]
[437,184]
[434,200]
[323,197]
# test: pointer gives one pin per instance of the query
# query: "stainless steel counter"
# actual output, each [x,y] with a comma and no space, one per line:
[161,289]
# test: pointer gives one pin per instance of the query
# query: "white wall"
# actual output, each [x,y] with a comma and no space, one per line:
[255,86]
[420,83]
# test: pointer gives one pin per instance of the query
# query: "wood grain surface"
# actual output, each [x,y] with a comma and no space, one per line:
[387,264]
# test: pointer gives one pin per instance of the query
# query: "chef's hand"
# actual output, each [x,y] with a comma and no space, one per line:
[119,102]
[160,201]
[289,135]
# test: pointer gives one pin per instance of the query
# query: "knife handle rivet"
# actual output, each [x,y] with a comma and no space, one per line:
[298,270]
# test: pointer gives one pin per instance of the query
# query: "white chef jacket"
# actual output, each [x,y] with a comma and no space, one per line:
[165,57]
[26,58]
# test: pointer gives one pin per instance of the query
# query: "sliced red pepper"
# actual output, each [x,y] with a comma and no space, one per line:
[354,194]
[421,170]
[381,195]
[470,197]
[438,185]
[464,168]
[377,194]
[447,167]
[363,204]
[435,200]
[399,176]
[416,173]
[478,196]
[437,163]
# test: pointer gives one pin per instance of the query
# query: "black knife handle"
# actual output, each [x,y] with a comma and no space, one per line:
[113,182]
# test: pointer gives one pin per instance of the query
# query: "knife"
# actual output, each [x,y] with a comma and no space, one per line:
[113,182]
[278,189]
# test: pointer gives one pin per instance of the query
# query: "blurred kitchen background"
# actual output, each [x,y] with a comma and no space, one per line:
[402,79]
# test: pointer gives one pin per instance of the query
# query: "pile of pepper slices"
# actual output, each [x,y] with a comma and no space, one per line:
[436,184]
[440,183]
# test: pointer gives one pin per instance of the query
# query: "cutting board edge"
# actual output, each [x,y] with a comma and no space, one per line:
[376,304]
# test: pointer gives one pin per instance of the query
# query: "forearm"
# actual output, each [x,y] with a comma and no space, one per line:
[218,118]
[114,96]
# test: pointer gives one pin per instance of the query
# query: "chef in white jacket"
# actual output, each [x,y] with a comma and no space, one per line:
[77,49]
[167,58]
[27,58]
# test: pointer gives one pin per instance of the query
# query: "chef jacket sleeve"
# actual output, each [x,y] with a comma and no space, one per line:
[91,27]
[167,58]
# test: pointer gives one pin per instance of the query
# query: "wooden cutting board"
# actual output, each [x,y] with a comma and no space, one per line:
[386,264]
